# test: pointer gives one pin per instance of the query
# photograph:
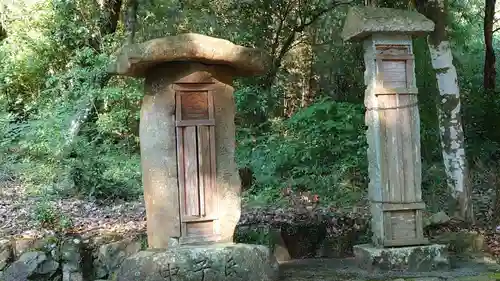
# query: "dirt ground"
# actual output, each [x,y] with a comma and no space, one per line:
[346,270]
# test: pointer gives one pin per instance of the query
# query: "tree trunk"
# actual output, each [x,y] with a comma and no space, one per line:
[110,13]
[108,20]
[131,20]
[310,89]
[287,45]
[3,33]
[489,75]
[449,114]
[80,117]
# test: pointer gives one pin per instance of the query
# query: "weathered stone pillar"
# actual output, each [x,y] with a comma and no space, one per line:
[187,134]
[191,183]
[393,137]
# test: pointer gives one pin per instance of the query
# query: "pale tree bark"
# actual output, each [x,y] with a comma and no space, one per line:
[449,111]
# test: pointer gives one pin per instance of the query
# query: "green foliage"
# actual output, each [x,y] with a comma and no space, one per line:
[51,88]
[320,148]
[68,128]
[254,235]
[105,170]
[47,216]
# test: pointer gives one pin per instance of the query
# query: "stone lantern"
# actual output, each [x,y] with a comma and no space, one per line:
[393,137]
[187,140]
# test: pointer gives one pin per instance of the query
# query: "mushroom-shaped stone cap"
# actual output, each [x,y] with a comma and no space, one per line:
[364,21]
[135,59]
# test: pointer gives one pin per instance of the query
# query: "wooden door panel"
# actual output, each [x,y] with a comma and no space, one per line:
[395,67]
[194,106]
[196,159]
[399,146]
[200,228]
[394,73]
[191,182]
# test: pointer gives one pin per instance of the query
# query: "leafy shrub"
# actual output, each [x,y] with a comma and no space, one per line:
[48,217]
[320,148]
[253,235]
[106,170]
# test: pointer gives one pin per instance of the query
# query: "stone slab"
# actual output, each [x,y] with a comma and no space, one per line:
[135,59]
[418,258]
[216,262]
[363,21]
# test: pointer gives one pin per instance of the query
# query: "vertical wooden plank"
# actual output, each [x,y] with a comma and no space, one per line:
[387,216]
[213,167]
[206,196]
[214,204]
[384,168]
[191,172]
[384,165]
[401,186]
[178,106]
[408,151]
[180,173]
[201,170]
[419,228]
[413,153]
[394,78]
[392,149]
[180,162]
[415,140]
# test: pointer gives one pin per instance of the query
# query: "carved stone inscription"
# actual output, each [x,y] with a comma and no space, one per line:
[201,266]
[202,269]
[230,267]
[170,272]
[214,262]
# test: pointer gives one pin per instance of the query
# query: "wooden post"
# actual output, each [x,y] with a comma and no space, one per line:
[392,118]
[393,138]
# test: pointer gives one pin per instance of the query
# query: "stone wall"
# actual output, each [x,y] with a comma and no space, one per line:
[66,258]
[90,257]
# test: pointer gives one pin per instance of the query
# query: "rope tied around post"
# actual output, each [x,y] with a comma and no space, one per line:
[393,107]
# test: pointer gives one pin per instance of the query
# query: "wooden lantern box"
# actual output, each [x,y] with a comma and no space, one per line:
[397,202]
[392,118]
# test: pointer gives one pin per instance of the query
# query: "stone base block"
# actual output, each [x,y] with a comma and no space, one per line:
[216,262]
[418,258]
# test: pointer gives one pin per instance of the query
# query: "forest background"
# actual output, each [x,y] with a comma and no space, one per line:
[68,129]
